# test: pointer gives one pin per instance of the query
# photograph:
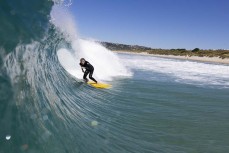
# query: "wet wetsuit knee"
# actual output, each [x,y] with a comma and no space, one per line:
[85,75]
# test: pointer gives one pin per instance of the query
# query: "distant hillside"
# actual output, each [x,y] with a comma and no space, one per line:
[116,46]
[222,53]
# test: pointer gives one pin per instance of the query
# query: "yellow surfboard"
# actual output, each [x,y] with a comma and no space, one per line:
[99,85]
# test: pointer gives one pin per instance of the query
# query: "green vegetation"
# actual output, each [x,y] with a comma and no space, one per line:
[176,52]
[196,50]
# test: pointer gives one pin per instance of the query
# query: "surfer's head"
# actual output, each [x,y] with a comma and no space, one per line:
[82,60]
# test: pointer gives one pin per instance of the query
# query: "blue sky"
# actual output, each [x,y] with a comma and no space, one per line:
[155,23]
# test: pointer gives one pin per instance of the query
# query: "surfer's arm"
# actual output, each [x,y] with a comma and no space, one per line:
[82,69]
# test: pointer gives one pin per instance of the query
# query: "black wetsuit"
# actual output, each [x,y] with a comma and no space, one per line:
[89,70]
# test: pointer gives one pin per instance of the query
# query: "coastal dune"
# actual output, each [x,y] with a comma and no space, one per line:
[193,58]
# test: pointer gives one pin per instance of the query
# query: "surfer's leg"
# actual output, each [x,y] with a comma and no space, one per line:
[85,75]
[90,76]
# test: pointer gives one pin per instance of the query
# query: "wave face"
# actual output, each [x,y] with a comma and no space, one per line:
[45,106]
[22,21]
[43,99]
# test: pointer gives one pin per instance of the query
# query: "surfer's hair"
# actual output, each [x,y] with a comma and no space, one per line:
[82,59]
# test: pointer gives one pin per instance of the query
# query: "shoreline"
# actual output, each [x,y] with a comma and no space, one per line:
[191,58]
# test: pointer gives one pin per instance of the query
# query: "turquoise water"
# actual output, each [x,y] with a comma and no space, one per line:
[155,104]
[163,115]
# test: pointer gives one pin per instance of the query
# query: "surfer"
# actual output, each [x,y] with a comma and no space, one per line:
[89,69]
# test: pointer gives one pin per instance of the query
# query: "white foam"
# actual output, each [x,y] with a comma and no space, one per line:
[106,63]
[64,21]
[185,71]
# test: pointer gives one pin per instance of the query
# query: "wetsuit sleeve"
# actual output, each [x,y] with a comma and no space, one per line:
[81,67]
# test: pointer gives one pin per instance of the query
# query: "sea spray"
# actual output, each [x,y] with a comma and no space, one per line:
[106,63]
[64,21]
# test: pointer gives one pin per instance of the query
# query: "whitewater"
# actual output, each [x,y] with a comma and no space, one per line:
[155,104]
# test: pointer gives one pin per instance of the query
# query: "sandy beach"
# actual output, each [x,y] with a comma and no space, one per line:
[193,58]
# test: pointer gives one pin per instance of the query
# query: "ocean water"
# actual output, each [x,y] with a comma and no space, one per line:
[155,105]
